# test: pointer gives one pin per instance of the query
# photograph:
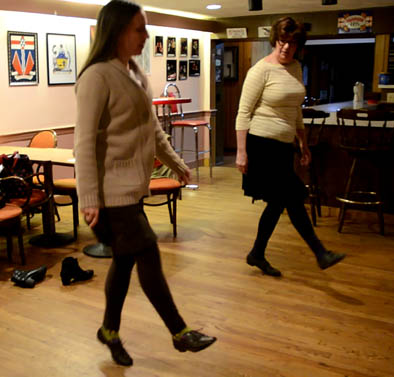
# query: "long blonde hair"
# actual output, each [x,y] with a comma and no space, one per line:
[111,22]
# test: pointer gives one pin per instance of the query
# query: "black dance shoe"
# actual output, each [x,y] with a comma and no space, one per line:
[263,265]
[71,272]
[328,259]
[193,341]
[119,354]
[28,279]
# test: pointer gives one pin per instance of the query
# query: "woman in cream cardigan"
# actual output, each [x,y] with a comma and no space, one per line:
[117,136]
[269,118]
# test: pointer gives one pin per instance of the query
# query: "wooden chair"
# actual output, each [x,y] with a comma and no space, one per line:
[317,121]
[368,149]
[10,225]
[63,187]
[178,121]
[170,188]
[36,197]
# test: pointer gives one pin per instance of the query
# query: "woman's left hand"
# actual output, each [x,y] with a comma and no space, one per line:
[186,176]
[306,156]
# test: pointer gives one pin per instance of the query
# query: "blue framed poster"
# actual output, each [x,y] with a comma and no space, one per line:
[355,22]
[22,58]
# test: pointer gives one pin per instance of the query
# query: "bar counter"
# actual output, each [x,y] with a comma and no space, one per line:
[333,163]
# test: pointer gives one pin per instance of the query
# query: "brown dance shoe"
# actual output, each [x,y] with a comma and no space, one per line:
[193,341]
[263,265]
[119,354]
[329,258]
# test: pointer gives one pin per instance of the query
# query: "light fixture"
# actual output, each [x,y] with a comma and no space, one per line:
[255,5]
[328,2]
[213,6]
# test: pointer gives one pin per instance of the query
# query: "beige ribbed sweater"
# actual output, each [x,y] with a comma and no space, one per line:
[270,103]
[117,136]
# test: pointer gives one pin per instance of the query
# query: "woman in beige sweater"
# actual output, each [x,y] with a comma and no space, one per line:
[117,136]
[268,120]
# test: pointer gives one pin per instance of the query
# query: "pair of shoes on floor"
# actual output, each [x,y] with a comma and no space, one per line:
[71,272]
[328,259]
[193,341]
[119,354]
[263,265]
[29,278]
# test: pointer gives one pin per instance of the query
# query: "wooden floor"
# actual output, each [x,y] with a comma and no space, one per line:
[308,323]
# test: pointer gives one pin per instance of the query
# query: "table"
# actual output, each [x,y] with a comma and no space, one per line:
[47,157]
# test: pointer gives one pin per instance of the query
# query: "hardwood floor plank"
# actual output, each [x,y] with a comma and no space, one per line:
[309,323]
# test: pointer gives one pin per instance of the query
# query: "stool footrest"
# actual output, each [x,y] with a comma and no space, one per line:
[371,201]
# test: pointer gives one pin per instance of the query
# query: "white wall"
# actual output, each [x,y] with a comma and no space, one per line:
[26,108]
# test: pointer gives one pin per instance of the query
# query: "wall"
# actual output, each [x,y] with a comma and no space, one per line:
[28,108]
[323,23]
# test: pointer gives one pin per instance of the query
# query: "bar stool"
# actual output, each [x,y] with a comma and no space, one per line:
[364,147]
[176,111]
[313,136]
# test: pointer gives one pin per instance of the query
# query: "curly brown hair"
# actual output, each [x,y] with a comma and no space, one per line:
[286,28]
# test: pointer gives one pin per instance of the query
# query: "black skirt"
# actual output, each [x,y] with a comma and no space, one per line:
[270,175]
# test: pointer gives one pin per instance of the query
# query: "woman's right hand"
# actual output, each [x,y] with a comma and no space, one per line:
[91,216]
[242,162]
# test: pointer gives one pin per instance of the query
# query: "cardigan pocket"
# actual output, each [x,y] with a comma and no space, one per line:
[128,173]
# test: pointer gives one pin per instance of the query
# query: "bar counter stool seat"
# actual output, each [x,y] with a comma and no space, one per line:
[364,148]
[176,111]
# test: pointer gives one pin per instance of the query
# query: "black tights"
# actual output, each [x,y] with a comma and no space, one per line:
[153,283]
[299,218]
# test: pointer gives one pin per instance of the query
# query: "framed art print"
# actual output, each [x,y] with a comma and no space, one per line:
[61,59]
[22,58]
[182,70]
[171,70]
[171,46]
[194,68]
[183,47]
[159,46]
[195,48]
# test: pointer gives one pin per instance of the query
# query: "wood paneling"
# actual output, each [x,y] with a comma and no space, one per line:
[310,323]
[382,43]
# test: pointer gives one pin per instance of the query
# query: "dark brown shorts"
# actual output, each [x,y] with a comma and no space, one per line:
[126,229]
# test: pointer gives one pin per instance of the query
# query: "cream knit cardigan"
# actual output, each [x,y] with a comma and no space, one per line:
[117,136]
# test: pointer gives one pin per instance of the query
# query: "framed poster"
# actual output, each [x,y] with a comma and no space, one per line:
[22,58]
[171,46]
[194,68]
[61,59]
[183,47]
[355,22]
[158,46]
[195,48]
[182,70]
[171,70]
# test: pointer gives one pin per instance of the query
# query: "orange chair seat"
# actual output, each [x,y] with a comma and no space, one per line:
[189,123]
[162,185]
[37,196]
[9,211]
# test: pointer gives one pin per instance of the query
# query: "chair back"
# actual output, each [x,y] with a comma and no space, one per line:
[315,128]
[365,129]
[44,139]
[171,90]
